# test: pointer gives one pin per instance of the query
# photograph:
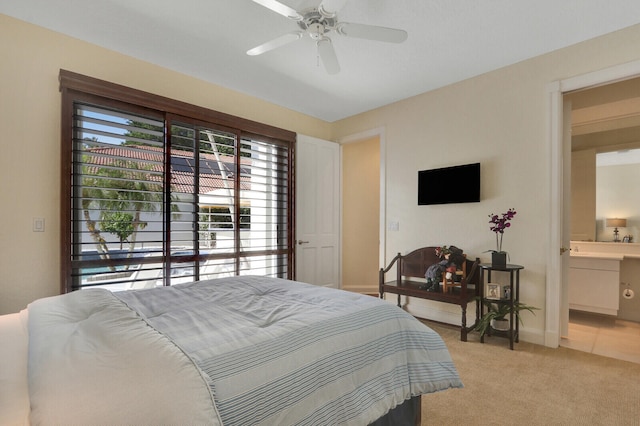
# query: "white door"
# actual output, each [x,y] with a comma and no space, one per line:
[317,211]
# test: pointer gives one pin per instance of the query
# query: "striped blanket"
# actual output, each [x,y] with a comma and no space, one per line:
[278,352]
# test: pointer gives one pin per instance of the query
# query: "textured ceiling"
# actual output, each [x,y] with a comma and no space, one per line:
[449,41]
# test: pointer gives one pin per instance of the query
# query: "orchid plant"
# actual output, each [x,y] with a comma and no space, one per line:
[499,223]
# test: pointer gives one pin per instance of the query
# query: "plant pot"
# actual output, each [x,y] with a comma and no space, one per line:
[500,324]
[499,259]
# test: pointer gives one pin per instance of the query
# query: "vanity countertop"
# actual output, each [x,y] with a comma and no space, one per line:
[605,250]
[598,255]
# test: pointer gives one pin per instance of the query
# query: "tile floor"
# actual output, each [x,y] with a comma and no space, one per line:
[603,335]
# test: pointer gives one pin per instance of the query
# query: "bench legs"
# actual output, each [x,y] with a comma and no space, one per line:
[463,329]
[399,304]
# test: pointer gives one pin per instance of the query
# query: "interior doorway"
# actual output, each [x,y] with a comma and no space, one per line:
[604,120]
[556,303]
[361,215]
[368,174]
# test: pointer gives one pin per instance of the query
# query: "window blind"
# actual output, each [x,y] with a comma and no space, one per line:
[158,199]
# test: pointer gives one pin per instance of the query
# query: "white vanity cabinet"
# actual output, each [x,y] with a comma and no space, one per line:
[594,284]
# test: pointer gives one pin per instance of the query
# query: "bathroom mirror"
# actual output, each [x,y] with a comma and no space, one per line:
[618,194]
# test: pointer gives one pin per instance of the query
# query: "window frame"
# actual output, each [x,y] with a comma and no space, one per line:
[76,87]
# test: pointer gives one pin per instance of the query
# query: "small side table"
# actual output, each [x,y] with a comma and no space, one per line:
[514,296]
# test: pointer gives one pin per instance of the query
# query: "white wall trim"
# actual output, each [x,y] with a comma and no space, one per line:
[553,281]
[555,91]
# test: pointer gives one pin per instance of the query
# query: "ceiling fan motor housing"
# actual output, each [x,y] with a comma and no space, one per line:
[316,24]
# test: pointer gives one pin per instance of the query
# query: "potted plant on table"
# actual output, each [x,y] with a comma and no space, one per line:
[498,224]
[497,315]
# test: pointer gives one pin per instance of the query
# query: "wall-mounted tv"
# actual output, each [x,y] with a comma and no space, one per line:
[448,185]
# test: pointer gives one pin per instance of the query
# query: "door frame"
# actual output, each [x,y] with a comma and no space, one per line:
[558,215]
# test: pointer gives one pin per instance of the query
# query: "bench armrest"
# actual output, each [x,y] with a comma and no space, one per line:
[383,271]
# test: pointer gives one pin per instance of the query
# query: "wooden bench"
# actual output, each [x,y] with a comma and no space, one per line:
[415,264]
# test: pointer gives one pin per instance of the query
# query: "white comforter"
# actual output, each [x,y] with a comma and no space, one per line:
[239,351]
[93,361]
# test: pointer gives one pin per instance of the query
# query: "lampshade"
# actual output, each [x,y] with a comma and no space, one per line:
[615,223]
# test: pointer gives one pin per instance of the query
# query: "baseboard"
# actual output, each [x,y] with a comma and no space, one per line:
[438,315]
[551,339]
[531,335]
[363,289]
[435,311]
[452,314]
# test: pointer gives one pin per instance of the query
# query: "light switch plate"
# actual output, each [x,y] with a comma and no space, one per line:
[38,224]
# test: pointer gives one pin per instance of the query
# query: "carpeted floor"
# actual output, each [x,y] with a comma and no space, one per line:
[532,385]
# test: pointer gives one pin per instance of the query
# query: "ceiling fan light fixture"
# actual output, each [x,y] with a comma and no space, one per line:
[316,30]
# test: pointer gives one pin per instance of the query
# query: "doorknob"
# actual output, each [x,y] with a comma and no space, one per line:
[300,242]
[563,249]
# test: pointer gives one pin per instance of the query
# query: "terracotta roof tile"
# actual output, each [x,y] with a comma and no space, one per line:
[182,179]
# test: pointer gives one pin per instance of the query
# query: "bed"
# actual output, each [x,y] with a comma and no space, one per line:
[232,351]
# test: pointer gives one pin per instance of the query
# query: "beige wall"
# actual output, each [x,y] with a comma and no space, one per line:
[583,195]
[361,211]
[501,120]
[30,140]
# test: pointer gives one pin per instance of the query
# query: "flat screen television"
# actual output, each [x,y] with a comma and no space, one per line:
[449,185]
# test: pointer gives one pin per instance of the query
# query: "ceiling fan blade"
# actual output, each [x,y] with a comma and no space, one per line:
[275,43]
[280,8]
[328,55]
[371,32]
[330,8]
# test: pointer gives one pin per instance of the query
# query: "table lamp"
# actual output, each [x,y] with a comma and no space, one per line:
[615,223]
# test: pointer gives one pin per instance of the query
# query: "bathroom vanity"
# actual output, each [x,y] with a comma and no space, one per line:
[594,275]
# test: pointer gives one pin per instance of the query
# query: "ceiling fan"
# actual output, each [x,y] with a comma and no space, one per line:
[318,23]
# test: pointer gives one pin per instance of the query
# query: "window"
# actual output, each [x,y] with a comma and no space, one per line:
[163,193]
